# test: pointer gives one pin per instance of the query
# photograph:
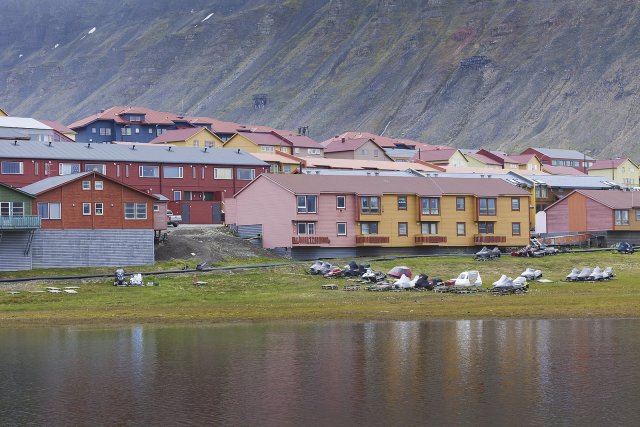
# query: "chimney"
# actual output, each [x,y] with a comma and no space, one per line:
[344,139]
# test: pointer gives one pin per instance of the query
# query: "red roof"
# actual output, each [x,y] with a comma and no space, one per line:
[261,138]
[484,159]
[346,145]
[424,186]
[176,135]
[614,199]
[296,140]
[57,126]
[437,155]
[599,164]
[521,159]
[382,141]
[117,113]
[562,170]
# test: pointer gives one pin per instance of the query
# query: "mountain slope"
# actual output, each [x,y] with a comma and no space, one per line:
[505,73]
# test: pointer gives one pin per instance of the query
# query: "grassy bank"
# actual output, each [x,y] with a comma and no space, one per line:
[287,293]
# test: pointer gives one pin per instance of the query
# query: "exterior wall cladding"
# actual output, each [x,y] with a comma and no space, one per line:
[197,179]
[96,132]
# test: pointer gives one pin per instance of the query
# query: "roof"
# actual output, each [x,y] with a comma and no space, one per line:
[300,141]
[561,153]
[400,153]
[614,199]
[57,126]
[423,186]
[47,184]
[382,141]
[217,126]
[437,155]
[22,123]
[347,145]
[17,190]
[569,181]
[179,135]
[477,170]
[607,164]
[318,162]
[261,138]
[359,172]
[277,158]
[126,153]
[13,134]
[116,113]
[562,170]
[484,159]
[520,159]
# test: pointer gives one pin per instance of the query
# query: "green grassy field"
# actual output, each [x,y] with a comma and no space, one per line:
[287,293]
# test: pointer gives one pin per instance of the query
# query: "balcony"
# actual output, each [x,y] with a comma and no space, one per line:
[481,239]
[429,239]
[310,240]
[27,222]
[372,239]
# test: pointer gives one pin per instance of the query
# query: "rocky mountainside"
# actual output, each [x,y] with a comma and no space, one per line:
[500,73]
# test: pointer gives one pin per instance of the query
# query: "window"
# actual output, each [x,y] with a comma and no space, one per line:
[266,148]
[286,168]
[364,151]
[403,229]
[541,191]
[515,204]
[637,214]
[12,168]
[156,208]
[196,143]
[126,171]
[429,228]
[36,170]
[137,129]
[126,131]
[376,153]
[297,150]
[222,173]
[11,208]
[93,130]
[177,195]
[485,227]
[95,168]
[341,228]
[159,132]
[86,185]
[135,118]
[402,203]
[135,211]
[341,202]
[461,228]
[194,171]
[68,168]
[311,150]
[246,174]
[368,228]
[47,169]
[86,209]
[150,130]
[622,217]
[172,171]
[515,228]
[487,206]
[307,204]
[149,171]
[460,205]
[98,185]
[105,131]
[306,228]
[99,209]
[49,210]
[430,206]
[370,205]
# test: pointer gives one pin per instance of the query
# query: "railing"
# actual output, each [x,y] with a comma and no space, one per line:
[488,238]
[19,222]
[310,240]
[372,240]
[430,239]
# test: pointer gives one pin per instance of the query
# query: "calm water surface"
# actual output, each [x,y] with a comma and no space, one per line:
[499,372]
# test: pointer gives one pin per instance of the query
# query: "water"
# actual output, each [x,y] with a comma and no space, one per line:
[499,372]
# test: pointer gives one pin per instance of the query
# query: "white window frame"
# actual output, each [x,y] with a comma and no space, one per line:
[308,228]
[135,211]
[303,208]
[98,185]
[177,193]
[338,224]
[156,169]
[63,166]
[86,185]
[86,209]
[252,173]
[7,162]
[178,169]
[49,205]
[344,202]
[98,209]
[222,173]
[96,167]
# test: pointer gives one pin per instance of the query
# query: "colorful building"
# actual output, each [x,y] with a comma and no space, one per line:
[25,126]
[615,214]
[562,157]
[442,157]
[189,137]
[258,142]
[195,180]
[17,227]
[621,171]
[310,216]
[355,149]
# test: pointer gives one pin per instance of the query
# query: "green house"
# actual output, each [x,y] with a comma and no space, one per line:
[17,227]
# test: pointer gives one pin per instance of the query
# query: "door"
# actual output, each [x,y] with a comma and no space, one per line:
[217,213]
[185,213]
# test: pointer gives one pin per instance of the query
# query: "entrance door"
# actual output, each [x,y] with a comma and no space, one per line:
[185,213]
[217,213]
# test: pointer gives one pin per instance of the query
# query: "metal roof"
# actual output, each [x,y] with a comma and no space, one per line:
[13,134]
[125,153]
[401,153]
[562,153]
[357,172]
[22,123]
[52,182]
[570,181]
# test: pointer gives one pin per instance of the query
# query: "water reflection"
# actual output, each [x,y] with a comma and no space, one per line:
[518,372]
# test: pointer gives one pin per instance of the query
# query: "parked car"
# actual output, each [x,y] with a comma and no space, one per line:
[173,219]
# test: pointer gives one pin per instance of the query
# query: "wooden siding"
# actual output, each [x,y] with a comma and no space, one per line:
[71,196]
[92,248]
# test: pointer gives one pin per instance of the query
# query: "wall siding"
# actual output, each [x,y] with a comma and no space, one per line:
[12,246]
[92,248]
